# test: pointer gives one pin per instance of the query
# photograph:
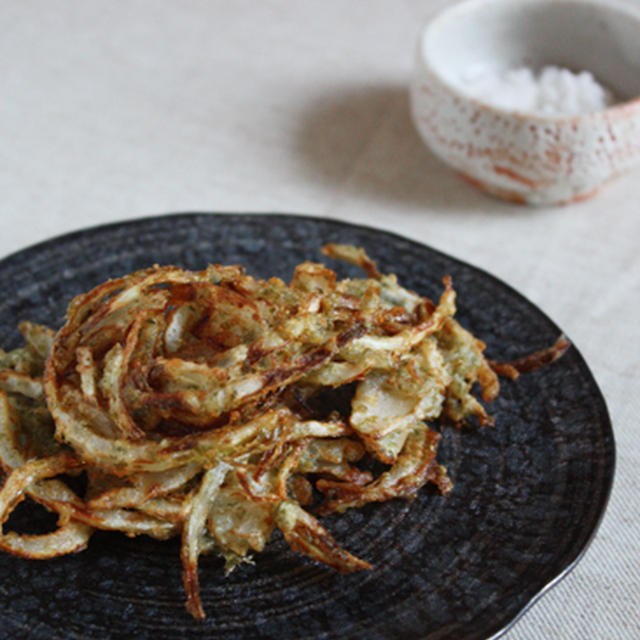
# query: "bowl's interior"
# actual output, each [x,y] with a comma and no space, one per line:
[494,35]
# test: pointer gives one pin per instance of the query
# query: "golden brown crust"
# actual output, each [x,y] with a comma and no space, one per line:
[217,406]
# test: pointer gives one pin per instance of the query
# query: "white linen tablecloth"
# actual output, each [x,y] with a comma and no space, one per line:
[114,110]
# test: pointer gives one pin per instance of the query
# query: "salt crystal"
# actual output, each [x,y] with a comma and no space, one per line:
[553,91]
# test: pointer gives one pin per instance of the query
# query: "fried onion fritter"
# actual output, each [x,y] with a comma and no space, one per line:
[216,406]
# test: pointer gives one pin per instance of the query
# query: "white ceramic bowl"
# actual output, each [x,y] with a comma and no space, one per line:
[520,156]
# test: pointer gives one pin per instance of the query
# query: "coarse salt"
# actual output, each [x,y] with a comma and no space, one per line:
[552,91]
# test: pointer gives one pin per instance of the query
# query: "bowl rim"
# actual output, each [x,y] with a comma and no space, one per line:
[616,110]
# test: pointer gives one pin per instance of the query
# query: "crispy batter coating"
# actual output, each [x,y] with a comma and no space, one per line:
[217,406]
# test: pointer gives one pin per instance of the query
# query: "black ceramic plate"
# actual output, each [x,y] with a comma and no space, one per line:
[528,495]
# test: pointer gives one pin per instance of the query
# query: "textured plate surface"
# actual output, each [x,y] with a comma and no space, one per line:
[528,495]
